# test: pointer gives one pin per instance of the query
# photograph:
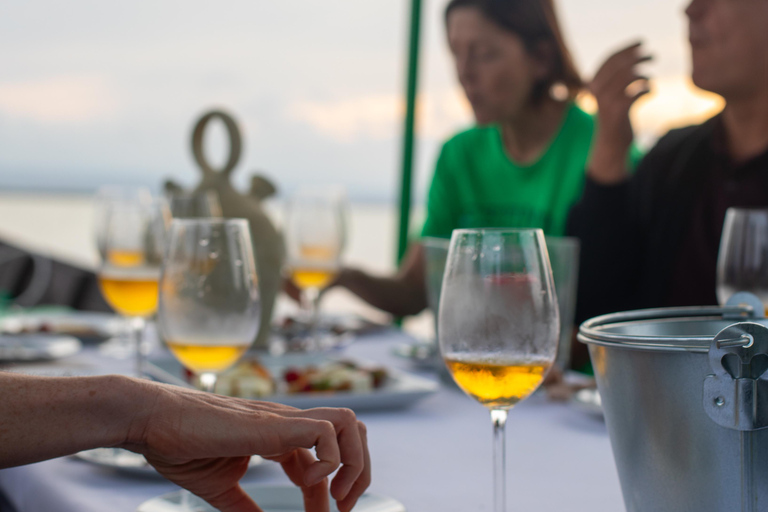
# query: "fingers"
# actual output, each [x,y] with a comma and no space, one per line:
[300,432]
[637,89]
[364,480]
[315,496]
[290,289]
[351,448]
[612,82]
[625,58]
[339,439]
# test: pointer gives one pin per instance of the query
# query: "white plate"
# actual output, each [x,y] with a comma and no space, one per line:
[399,391]
[130,462]
[270,499]
[86,326]
[588,400]
[422,354]
[37,347]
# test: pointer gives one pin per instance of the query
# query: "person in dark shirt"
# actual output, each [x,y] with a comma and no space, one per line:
[651,239]
[29,279]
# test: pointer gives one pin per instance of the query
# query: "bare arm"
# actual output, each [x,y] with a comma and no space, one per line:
[608,163]
[44,418]
[402,294]
[200,441]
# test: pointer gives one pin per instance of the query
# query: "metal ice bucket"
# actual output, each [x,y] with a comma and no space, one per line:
[685,394]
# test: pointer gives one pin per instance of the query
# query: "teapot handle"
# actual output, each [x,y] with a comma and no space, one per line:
[235,142]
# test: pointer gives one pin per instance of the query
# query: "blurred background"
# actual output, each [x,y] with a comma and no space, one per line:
[95,93]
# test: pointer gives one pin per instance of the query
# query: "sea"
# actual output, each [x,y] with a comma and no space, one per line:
[61,225]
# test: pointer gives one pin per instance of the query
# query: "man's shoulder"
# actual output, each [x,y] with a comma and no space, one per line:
[677,138]
[676,158]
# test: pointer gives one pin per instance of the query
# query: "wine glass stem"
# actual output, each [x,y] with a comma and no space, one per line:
[137,329]
[208,382]
[312,300]
[499,418]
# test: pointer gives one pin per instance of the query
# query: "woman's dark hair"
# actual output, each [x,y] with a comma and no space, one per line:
[535,22]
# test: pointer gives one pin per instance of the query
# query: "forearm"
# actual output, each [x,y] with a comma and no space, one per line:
[608,164]
[42,418]
[397,295]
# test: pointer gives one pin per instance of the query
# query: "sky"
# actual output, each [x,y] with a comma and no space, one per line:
[95,93]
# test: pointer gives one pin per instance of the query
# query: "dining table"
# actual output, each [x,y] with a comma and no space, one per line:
[435,455]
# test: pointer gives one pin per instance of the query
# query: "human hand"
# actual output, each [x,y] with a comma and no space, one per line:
[294,292]
[291,289]
[616,87]
[203,442]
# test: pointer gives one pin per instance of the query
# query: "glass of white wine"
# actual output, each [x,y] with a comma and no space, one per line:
[742,263]
[104,199]
[133,243]
[498,323]
[315,238]
[209,297]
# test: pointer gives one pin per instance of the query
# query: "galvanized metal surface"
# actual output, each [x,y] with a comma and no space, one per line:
[681,417]
[735,396]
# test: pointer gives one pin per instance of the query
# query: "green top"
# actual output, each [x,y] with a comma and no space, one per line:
[477,185]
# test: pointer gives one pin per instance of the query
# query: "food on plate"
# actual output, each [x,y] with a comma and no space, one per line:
[73,329]
[247,379]
[337,376]
[290,326]
[251,379]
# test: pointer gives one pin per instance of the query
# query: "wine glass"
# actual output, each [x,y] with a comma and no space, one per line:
[134,239]
[498,323]
[315,238]
[209,298]
[742,263]
[105,197]
[194,205]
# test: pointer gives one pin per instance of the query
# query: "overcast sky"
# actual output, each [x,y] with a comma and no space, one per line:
[95,92]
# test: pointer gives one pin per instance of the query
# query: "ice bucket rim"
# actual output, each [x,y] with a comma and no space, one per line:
[593,331]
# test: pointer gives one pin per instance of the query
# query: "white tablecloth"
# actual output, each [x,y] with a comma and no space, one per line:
[433,457]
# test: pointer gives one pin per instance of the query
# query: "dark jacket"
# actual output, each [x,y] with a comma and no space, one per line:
[635,235]
[29,279]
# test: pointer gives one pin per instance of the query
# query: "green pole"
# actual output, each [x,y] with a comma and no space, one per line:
[408,131]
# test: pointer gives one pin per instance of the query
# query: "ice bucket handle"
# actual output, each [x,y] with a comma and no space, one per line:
[736,396]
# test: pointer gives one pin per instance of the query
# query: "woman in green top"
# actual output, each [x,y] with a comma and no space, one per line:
[523,164]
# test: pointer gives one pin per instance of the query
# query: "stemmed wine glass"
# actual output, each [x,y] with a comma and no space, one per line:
[132,246]
[498,323]
[315,237]
[105,197]
[209,299]
[742,263]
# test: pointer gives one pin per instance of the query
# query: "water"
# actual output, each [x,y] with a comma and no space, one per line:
[62,226]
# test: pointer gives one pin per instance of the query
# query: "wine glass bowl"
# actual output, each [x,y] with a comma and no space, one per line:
[742,262]
[209,310]
[106,198]
[133,248]
[498,322]
[315,238]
